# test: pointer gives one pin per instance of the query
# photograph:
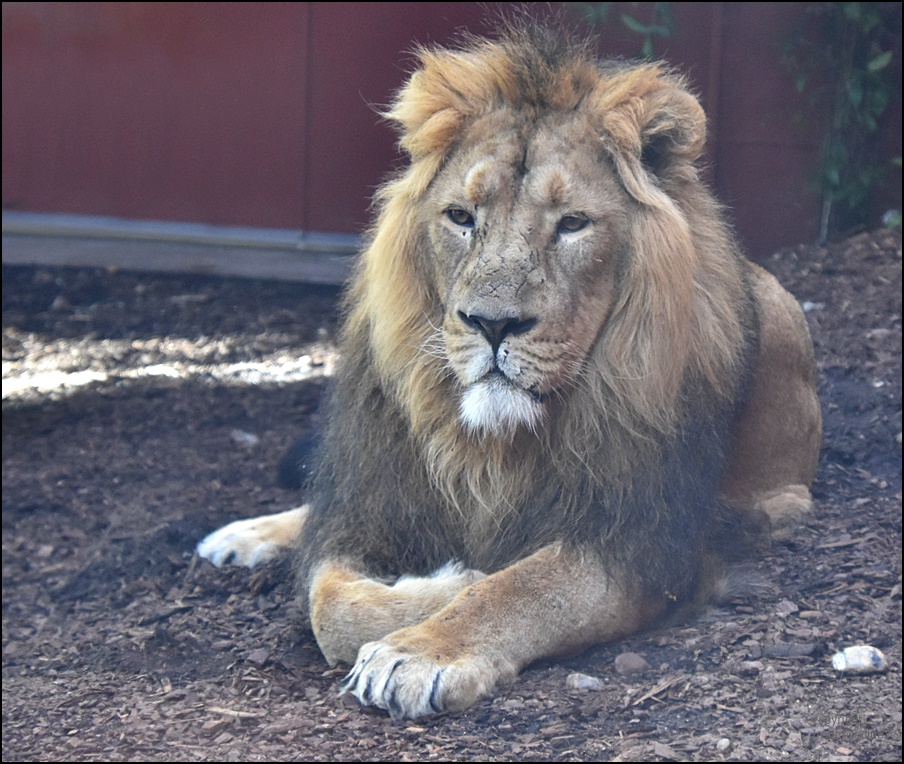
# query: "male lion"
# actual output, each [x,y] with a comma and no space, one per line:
[562,388]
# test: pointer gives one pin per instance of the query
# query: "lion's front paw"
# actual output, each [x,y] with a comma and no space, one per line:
[254,541]
[408,683]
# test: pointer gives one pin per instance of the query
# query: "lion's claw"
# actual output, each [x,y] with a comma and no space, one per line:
[405,685]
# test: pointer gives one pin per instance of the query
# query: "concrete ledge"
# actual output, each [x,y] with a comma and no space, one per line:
[90,241]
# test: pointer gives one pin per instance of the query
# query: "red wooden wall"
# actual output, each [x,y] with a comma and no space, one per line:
[263,114]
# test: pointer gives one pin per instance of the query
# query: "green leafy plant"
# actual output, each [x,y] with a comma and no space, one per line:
[842,58]
[662,24]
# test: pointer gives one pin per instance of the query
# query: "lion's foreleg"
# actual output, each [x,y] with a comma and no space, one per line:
[348,609]
[554,602]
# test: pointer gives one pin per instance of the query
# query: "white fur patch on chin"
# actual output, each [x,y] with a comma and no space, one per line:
[493,406]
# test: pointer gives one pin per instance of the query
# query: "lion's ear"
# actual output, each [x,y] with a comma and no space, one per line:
[674,131]
[655,132]
[448,88]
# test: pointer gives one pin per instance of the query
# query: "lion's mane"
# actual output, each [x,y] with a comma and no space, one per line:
[629,467]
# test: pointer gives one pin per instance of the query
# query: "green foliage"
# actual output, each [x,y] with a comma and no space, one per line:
[662,24]
[846,60]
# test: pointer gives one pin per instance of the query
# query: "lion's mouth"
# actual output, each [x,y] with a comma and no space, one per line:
[498,374]
[496,405]
[503,378]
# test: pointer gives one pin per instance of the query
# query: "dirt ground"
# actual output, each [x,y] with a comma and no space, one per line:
[141,412]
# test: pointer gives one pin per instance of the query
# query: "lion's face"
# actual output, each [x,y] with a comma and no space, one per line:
[528,225]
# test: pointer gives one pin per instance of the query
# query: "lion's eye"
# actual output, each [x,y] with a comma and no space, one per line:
[571,224]
[460,217]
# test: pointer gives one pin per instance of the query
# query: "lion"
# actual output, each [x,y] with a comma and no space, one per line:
[564,395]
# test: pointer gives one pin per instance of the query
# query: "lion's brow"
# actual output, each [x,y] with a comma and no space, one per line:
[482,181]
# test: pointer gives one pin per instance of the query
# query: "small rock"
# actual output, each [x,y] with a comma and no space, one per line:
[750,668]
[724,745]
[860,659]
[630,663]
[786,607]
[582,682]
[247,439]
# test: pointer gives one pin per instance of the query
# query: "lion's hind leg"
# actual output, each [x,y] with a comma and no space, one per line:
[253,541]
[775,446]
[349,610]
[786,509]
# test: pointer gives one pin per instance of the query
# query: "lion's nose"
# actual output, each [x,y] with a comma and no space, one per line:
[497,329]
